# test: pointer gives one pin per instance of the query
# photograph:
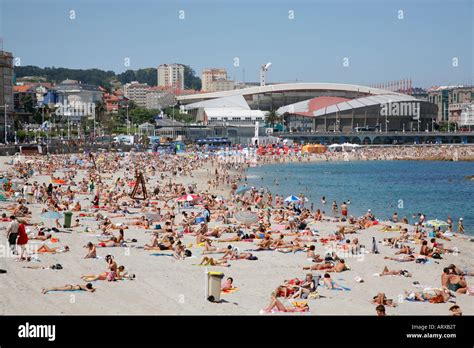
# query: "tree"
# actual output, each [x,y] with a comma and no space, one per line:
[99,111]
[191,81]
[272,118]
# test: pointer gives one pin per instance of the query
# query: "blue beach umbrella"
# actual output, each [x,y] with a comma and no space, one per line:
[51,215]
[291,199]
[242,189]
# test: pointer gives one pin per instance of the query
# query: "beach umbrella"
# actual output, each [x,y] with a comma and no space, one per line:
[51,215]
[188,198]
[154,216]
[436,223]
[246,217]
[58,181]
[242,189]
[292,198]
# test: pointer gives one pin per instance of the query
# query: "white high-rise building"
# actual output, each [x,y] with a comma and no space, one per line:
[171,75]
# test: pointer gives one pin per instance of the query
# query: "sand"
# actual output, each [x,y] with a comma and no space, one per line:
[165,286]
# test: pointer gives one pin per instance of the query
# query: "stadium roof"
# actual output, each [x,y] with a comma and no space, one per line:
[311,107]
[235,101]
[232,112]
[284,87]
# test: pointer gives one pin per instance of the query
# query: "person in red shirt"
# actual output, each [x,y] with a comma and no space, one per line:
[22,241]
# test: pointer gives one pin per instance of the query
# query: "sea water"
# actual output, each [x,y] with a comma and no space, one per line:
[436,189]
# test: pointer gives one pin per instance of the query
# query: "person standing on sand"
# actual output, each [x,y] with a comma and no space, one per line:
[12,233]
[460,226]
[22,242]
[344,210]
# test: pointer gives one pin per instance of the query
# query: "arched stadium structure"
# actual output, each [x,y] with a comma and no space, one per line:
[325,107]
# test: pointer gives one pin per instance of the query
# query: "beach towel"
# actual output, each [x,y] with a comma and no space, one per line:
[229,291]
[66,291]
[414,300]
[160,254]
[343,288]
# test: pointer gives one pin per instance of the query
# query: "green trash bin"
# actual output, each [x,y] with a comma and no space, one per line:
[67,219]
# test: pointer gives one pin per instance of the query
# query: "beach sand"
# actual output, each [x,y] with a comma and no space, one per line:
[165,286]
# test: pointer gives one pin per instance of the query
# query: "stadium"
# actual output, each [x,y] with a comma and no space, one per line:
[315,107]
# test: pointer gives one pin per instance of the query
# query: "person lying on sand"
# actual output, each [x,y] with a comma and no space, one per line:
[323,266]
[331,284]
[386,272]
[227,284]
[210,249]
[434,296]
[55,267]
[401,258]
[88,287]
[46,249]
[381,299]
[209,261]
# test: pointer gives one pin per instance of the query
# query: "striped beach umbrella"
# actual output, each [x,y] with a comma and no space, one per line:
[291,199]
[246,217]
[188,198]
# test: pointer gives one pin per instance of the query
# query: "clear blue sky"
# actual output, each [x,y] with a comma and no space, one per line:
[309,48]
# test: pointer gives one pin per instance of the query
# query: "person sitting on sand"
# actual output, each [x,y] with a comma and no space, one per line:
[88,287]
[91,251]
[166,243]
[109,275]
[381,299]
[453,282]
[312,256]
[77,207]
[122,274]
[386,272]
[265,244]
[308,286]
[209,261]
[276,304]
[404,249]
[339,267]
